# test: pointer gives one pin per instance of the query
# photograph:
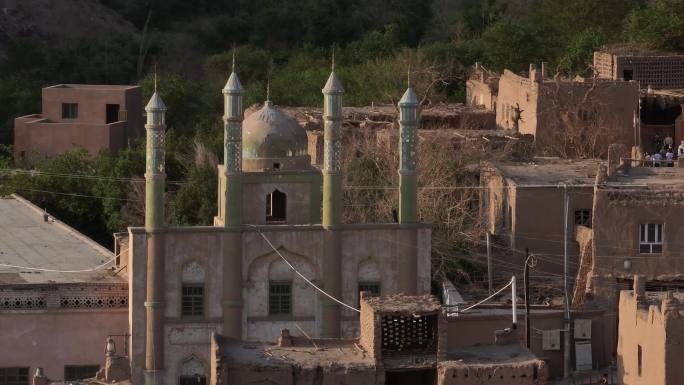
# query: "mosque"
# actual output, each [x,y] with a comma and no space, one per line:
[277,238]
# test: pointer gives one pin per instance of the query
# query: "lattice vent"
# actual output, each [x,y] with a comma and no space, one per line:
[409,334]
[22,303]
[89,302]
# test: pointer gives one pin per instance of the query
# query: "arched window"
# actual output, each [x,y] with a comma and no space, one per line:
[276,206]
[192,300]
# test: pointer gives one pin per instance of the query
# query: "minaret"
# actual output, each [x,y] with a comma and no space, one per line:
[232,134]
[407,253]
[155,178]
[332,153]
[231,238]
[331,313]
[408,140]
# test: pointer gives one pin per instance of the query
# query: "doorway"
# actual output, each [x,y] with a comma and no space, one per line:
[112,113]
[411,377]
[192,380]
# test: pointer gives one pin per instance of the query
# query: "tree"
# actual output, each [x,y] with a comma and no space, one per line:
[659,25]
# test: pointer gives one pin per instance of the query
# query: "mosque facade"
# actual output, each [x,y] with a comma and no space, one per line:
[277,234]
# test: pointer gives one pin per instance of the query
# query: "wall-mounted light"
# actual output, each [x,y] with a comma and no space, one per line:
[627,264]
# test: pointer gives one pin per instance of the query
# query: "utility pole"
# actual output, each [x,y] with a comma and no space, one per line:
[567,341]
[489,263]
[530,262]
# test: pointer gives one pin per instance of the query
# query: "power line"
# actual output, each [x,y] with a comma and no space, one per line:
[300,274]
[61,271]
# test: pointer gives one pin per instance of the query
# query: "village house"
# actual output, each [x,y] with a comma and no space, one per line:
[589,113]
[482,88]
[649,348]
[522,206]
[55,303]
[93,117]
[649,68]
[403,340]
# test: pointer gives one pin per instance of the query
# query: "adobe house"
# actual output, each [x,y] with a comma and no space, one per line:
[590,113]
[649,68]
[522,206]
[55,302]
[93,117]
[650,337]
[482,88]
[403,340]
[242,277]
[635,216]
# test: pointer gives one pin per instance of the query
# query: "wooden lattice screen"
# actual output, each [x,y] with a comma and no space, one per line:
[409,335]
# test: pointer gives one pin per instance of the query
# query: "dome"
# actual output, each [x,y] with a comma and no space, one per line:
[270,135]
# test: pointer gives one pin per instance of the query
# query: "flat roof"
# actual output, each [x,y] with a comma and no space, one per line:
[489,355]
[27,240]
[96,86]
[550,171]
[670,178]
[399,303]
[628,49]
[303,353]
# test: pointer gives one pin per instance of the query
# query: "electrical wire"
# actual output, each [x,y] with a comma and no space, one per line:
[300,274]
[484,300]
[60,271]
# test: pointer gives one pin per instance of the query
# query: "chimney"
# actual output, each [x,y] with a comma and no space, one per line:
[544,70]
[534,74]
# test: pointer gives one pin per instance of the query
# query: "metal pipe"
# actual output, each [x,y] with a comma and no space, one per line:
[514,300]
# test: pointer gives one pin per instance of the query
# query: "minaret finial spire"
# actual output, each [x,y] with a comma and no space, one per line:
[408,75]
[268,81]
[332,62]
[233,70]
[155,77]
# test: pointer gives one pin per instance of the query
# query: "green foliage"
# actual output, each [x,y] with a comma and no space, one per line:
[659,25]
[578,53]
[195,202]
[510,45]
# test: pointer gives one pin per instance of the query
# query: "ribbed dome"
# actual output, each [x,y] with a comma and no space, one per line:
[271,133]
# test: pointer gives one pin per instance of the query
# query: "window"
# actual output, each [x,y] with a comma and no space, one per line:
[192,380]
[276,166]
[112,113]
[627,75]
[69,110]
[651,238]
[639,357]
[14,376]
[79,372]
[371,287]
[583,217]
[193,300]
[280,298]
[276,207]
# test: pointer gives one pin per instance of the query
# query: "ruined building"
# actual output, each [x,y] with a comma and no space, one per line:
[589,113]
[234,278]
[93,117]
[650,337]
[649,68]
[59,293]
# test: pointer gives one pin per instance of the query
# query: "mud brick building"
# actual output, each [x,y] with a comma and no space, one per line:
[93,117]
[650,68]
[54,310]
